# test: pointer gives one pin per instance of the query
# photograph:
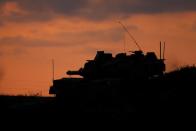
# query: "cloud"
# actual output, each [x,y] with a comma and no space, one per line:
[28,10]
[66,38]
[24,42]
[2,23]
[96,9]
[12,51]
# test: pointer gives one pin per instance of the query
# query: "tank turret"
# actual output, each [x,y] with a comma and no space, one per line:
[135,65]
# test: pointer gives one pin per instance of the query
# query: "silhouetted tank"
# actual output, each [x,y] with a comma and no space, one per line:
[105,69]
[105,74]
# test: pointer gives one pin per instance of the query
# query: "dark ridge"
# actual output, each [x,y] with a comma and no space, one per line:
[170,94]
[182,73]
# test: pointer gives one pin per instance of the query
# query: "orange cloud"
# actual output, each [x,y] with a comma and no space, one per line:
[10,8]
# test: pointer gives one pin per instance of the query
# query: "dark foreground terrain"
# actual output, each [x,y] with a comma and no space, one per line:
[174,96]
[175,92]
[27,104]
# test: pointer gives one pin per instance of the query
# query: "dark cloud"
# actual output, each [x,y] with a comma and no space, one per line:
[66,6]
[44,9]
[20,41]
[2,2]
[13,51]
[66,39]
[99,9]
[25,42]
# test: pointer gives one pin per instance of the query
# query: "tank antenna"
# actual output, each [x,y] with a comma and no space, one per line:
[52,69]
[164,51]
[125,28]
[160,50]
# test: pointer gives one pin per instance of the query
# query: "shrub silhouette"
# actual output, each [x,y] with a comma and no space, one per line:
[183,73]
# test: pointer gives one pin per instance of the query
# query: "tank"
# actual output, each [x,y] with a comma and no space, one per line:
[106,70]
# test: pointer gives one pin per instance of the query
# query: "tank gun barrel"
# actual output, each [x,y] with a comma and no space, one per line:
[74,72]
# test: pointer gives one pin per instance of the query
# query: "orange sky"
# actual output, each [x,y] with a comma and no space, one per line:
[31,36]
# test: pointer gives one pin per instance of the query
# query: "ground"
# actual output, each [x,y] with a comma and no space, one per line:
[173,93]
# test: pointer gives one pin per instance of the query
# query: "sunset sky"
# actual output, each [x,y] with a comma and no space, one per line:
[33,32]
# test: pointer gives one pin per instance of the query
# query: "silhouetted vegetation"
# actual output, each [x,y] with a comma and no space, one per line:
[183,73]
